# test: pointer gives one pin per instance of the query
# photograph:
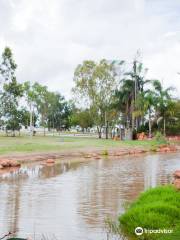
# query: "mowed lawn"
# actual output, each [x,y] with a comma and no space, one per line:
[23,144]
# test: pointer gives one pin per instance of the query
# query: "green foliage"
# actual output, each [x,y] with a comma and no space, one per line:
[160,138]
[129,98]
[59,111]
[83,118]
[8,65]
[52,108]
[54,111]
[12,92]
[173,119]
[105,152]
[157,208]
[143,128]
[163,103]
[107,98]
[95,84]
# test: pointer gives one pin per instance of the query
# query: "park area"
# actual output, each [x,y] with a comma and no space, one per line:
[58,143]
[89,120]
[17,150]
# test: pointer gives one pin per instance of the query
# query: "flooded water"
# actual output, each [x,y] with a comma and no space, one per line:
[71,200]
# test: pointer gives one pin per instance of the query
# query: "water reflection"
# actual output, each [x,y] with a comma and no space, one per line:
[72,199]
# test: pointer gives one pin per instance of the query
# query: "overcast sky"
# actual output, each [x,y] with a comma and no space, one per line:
[50,37]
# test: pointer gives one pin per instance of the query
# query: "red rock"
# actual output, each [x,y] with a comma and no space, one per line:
[120,153]
[14,163]
[173,138]
[177,183]
[177,174]
[95,155]
[131,152]
[141,136]
[172,148]
[138,151]
[165,148]
[5,163]
[9,163]
[50,161]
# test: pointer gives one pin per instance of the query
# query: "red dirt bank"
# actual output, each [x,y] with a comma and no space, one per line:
[14,161]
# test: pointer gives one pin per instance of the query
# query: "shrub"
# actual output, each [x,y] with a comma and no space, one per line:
[105,152]
[157,208]
[160,138]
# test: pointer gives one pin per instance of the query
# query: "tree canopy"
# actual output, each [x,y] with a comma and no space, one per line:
[106,95]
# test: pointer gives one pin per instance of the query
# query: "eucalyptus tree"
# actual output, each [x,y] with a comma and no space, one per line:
[82,118]
[41,99]
[59,111]
[95,84]
[30,96]
[7,66]
[11,91]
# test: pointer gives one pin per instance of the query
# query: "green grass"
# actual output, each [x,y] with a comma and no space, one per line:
[25,144]
[157,208]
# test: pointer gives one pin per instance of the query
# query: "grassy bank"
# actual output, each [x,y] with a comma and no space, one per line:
[157,208]
[47,144]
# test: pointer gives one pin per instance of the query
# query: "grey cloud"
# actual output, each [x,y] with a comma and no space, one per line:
[50,37]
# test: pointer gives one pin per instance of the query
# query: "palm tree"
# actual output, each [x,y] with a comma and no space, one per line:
[149,100]
[124,100]
[163,100]
[146,102]
[134,83]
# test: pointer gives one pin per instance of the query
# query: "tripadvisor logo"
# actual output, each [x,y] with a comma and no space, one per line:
[139,231]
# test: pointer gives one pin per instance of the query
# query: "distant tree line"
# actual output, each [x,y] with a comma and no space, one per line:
[106,94]
[26,104]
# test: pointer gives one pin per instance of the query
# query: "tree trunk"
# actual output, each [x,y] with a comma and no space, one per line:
[53,125]
[31,129]
[107,129]
[99,132]
[150,132]
[120,132]
[133,123]
[164,126]
[43,124]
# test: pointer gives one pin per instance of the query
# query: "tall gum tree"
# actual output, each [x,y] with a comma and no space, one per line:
[95,84]
[11,91]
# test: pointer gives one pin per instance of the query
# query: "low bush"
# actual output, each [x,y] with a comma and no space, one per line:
[160,138]
[157,208]
[105,153]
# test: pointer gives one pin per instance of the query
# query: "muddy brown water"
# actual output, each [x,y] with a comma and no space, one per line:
[71,199]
